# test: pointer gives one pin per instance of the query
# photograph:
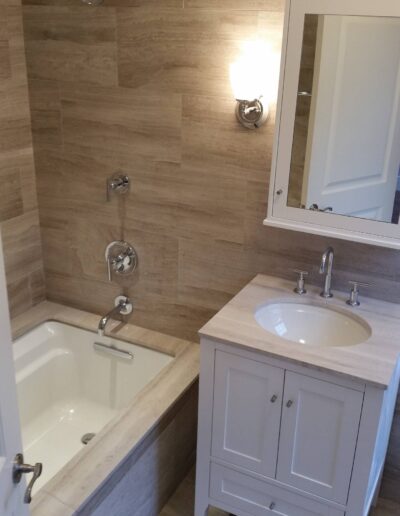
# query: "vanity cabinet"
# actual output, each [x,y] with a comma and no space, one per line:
[279,438]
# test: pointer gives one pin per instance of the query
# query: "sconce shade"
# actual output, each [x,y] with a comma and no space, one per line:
[250,73]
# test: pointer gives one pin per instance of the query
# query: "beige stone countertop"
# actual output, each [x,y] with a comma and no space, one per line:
[91,467]
[372,362]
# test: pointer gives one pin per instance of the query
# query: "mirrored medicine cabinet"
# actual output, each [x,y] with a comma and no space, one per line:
[336,165]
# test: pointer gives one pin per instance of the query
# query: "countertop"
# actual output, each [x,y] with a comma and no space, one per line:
[373,362]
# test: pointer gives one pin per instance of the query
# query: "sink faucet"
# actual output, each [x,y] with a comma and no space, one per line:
[123,306]
[326,268]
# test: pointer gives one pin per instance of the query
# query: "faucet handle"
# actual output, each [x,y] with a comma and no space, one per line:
[353,299]
[300,287]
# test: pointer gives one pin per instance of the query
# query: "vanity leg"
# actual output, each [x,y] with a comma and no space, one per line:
[201,509]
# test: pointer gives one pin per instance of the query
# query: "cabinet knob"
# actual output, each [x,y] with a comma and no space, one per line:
[274,398]
[272,506]
[289,403]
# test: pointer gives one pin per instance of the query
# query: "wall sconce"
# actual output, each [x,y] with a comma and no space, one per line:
[250,84]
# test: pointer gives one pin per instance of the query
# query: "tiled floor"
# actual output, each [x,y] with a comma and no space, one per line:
[181,503]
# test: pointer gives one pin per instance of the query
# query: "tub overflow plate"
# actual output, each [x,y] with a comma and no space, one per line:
[87,437]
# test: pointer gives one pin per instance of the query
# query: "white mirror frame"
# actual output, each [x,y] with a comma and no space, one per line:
[279,214]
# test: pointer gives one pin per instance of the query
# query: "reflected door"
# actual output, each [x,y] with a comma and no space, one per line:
[353,145]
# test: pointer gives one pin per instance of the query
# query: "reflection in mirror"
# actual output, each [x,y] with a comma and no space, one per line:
[346,143]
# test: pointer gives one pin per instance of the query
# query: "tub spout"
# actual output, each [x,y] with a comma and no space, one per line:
[123,306]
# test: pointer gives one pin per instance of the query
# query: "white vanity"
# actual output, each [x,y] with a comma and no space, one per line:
[295,427]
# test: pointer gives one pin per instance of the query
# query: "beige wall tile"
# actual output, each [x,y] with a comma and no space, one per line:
[71,44]
[257,5]
[121,121]
[5,65]
[10,194]
[19,223]
[180,51]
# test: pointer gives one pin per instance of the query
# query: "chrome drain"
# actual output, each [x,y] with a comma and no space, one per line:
[87,437]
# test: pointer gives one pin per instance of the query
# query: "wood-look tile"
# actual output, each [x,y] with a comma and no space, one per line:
[180,51]
[114,3]
[76,291]
[15,134]
[210,123]
[121,121]
[11,204]
[257,5]
[210,272]
[5,65]
[28,182]
[37,287]
[71,44]
[173,318]
[22,249]
[158,258]
[18,201]
[16,42]
[3,23]
[19,301]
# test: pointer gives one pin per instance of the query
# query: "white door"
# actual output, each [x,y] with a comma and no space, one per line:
[320,422]
[246,414]
[353,152]
[11,495]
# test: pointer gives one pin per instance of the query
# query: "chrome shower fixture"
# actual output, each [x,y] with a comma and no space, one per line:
[121,258]
[118,184]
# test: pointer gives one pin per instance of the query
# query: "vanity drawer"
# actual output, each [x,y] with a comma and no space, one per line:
[257,498]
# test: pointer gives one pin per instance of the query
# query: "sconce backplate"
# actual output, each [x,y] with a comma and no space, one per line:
[251,114]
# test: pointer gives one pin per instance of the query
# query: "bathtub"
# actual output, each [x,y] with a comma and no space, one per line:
[70,384]
[88,403]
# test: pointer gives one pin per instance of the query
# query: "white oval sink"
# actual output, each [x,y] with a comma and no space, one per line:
[312,325]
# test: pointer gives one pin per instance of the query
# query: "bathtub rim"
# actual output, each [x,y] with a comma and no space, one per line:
[87,471]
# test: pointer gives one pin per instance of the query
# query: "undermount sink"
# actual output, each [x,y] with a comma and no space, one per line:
[312,325]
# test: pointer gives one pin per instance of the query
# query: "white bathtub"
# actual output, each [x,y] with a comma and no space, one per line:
[68,388]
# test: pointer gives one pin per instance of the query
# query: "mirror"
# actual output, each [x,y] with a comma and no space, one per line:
[346,143]
[336,162]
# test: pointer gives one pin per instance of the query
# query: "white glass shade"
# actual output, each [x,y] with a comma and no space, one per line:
[251,74]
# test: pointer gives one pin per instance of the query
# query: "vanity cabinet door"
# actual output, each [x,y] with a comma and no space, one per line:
[246,413]
[320,422]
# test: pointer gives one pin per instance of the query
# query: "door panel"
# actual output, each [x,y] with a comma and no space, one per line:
[247,409]
[11,496]
[319,430]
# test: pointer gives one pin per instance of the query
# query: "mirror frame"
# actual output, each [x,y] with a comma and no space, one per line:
[279,214]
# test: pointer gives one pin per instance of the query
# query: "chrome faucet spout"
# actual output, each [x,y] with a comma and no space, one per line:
[104,320]
[326,268]
[123,306]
